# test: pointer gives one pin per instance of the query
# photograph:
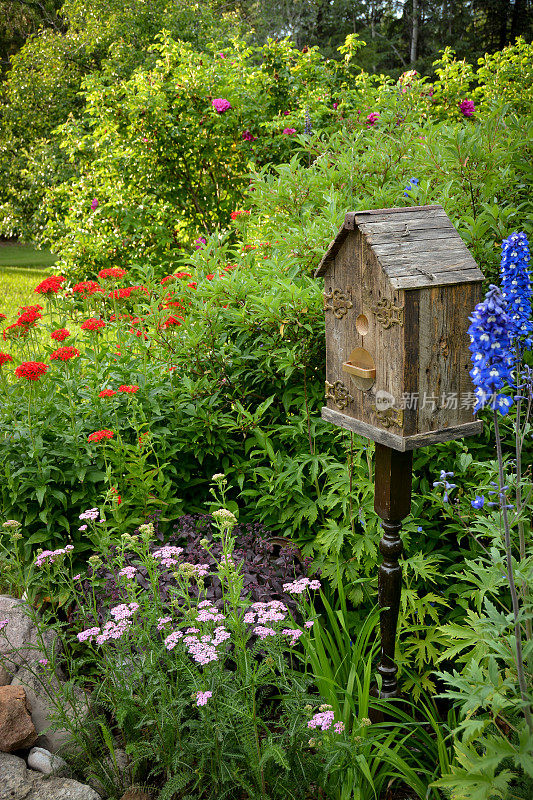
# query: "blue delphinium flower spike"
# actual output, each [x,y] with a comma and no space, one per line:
[479,501]
[516,287]
[492,356]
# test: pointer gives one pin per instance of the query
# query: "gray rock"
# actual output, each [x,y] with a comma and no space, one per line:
[14,782]
[43,708]
[5,676]
[14,644]
[22,643]
[19,783]
[46,762]
[61,789]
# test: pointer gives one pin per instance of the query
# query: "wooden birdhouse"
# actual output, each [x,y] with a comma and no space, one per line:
[399,287]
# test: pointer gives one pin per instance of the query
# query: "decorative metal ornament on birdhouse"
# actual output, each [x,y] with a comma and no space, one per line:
[399,287]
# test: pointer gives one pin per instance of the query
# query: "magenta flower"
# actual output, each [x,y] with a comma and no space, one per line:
[286,113]
[220,105]
[199,243]
[289,131]
[94,204]
[467,107]
[248,137]
[372,118]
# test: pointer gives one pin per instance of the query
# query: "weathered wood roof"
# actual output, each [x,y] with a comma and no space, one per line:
[416,246]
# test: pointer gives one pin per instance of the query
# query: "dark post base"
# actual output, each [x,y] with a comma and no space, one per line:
[392,502]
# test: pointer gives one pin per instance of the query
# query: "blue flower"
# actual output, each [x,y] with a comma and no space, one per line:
[479,502]
[516,287]
[412,183]
[492,356]
[444,482]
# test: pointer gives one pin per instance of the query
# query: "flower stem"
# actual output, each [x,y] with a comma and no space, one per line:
[510,577]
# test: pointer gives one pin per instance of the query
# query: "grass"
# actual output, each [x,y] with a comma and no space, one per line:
[22,267]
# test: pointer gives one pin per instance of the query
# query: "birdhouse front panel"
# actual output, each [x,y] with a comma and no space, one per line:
[399,285]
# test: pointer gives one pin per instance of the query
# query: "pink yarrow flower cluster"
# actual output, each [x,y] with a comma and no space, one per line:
[3,623]
[127,572]
[49,556]
[202,698]
[162,621]
[168,555]
[91,513]
[273,611]
[299,586]
[88,634]
[113,630]
[322,720]
[209,613]
[263,631]
[124,610]
[293,634]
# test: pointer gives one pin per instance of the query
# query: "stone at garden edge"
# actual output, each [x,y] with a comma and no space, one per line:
[17,730]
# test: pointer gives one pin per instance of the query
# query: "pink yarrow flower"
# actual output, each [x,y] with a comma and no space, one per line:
[322,720]
[221,105]
[87,635]
[202,698]
[3,623]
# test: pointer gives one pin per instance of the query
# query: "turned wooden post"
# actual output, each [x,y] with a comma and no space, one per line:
[392,502]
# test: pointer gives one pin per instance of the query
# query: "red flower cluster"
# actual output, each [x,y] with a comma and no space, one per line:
[31,370]
[60,334]
[97,436]
[64,354]
[125,292]
[4,358]
[14,331]
[117,496]
[29,315]
[237,214]
[92,324]
[86,288]
[171,321]
[50,285]
[3,316]
[128,389]
[107,393]
[112,272]
[175,276]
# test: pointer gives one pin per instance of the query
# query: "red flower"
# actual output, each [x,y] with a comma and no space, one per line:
[50,285]
[29,315]
[14,331]
[87,288]
[3,316]
[60,334]
[117,496]
[31,370]
[97,436]
[182,275]
[210,276]
[107,393]
[128,389]
[125,292]
[171,321]
[64,354]
[142,437]
[92,324]
[192,285]
[237,214]
[112,272]
[4,358]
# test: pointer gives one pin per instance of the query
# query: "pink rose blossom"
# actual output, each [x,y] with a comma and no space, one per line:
[221,105]
[467,107]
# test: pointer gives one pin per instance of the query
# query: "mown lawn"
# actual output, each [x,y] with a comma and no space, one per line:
[22,267]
